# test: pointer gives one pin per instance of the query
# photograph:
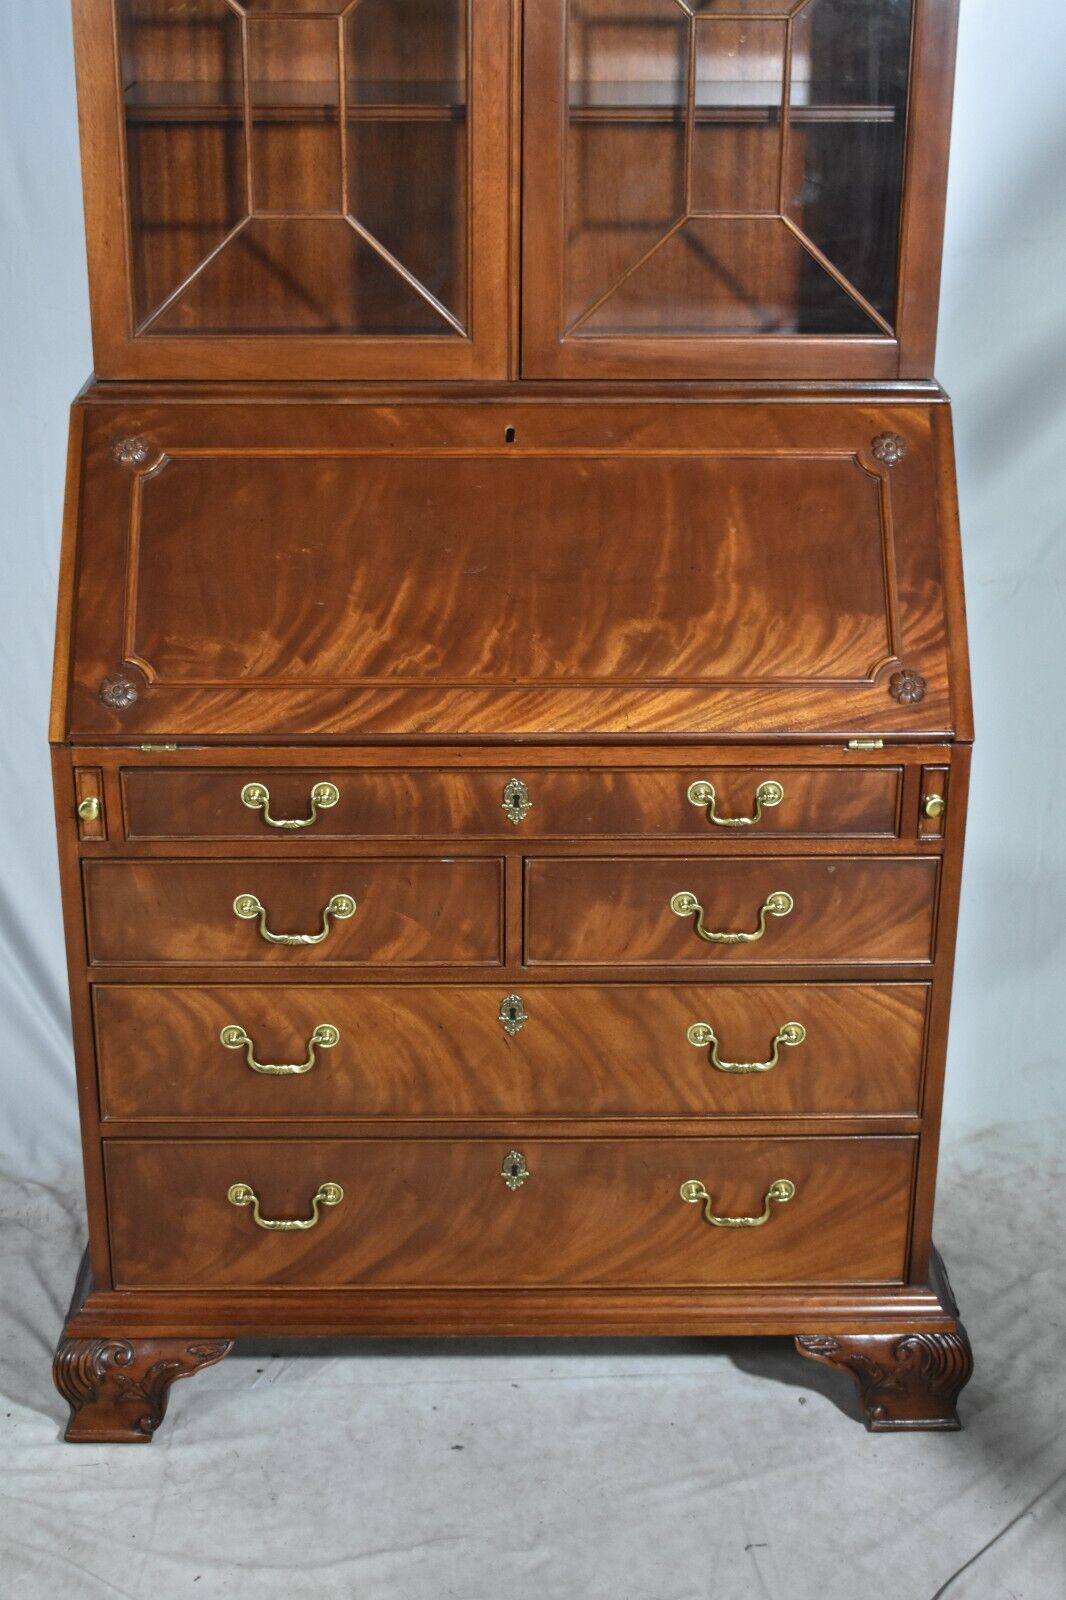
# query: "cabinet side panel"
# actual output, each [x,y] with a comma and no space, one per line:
[81,1017]
[68,555]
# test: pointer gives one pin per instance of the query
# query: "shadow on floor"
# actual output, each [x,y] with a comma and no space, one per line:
[771,1359]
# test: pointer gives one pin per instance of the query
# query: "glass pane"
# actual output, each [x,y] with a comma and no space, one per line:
[297,166]
[294,105]
[848,116]
[407,138]
[734,166]
[736,125]
[626,149]
[729,275]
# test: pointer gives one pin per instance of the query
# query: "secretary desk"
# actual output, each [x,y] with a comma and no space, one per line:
[511,720]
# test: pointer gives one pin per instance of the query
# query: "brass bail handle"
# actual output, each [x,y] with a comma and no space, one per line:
[251,909]
[767,795]
[685,904]
[790,1034]
[256,796]
[327,1194]
[324,1037]
[779,1193]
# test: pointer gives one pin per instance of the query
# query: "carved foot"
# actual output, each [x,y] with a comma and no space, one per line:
[118,1388]
[905,1381]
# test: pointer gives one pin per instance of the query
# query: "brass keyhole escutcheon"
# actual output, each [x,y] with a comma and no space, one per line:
[512,1014]
[516,801]
[514,1171]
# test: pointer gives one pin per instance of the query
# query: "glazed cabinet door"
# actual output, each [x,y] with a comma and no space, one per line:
[289,190]
[733,187]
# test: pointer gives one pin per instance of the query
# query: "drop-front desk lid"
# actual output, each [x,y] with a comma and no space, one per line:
[345,569]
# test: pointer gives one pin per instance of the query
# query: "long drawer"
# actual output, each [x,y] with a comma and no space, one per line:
[712,912]
[303,1051]
[462,1213]
[420,912]
[334,802]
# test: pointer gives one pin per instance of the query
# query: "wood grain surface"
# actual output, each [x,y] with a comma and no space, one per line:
[425,1212]
[441,1052]
[634,570]
[417,911]
[587,912]
[830,801]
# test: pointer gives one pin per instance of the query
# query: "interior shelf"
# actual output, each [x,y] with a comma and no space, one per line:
[294,101]
[716,100]
[305,101]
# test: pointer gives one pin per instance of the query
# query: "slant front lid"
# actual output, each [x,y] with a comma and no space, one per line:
[292,570]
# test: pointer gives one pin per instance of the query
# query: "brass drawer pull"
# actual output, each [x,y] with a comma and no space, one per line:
[256,796]
[250,909]
[780,1191]
[767,795]
[324,1037]
[702,1034]
[685,904]
[327,1194]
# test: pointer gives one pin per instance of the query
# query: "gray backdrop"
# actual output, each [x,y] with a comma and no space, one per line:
[1002,356]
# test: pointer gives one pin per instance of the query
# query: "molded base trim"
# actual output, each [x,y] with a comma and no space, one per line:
[905,1347]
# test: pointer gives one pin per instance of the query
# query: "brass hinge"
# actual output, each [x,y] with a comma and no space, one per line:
[156,749]
[866,744]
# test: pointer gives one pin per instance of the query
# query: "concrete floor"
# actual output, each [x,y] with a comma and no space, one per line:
[654,1470]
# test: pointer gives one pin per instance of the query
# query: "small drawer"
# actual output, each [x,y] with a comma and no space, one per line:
[369,913]
[311,803]
[292,1052]
[474,1213]
[720,802]
[708,911]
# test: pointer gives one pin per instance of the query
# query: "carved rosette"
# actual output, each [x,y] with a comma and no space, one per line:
[132,452]
[908,1382]
[908,687]
[889,449]
[119,692]
[118,1389]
